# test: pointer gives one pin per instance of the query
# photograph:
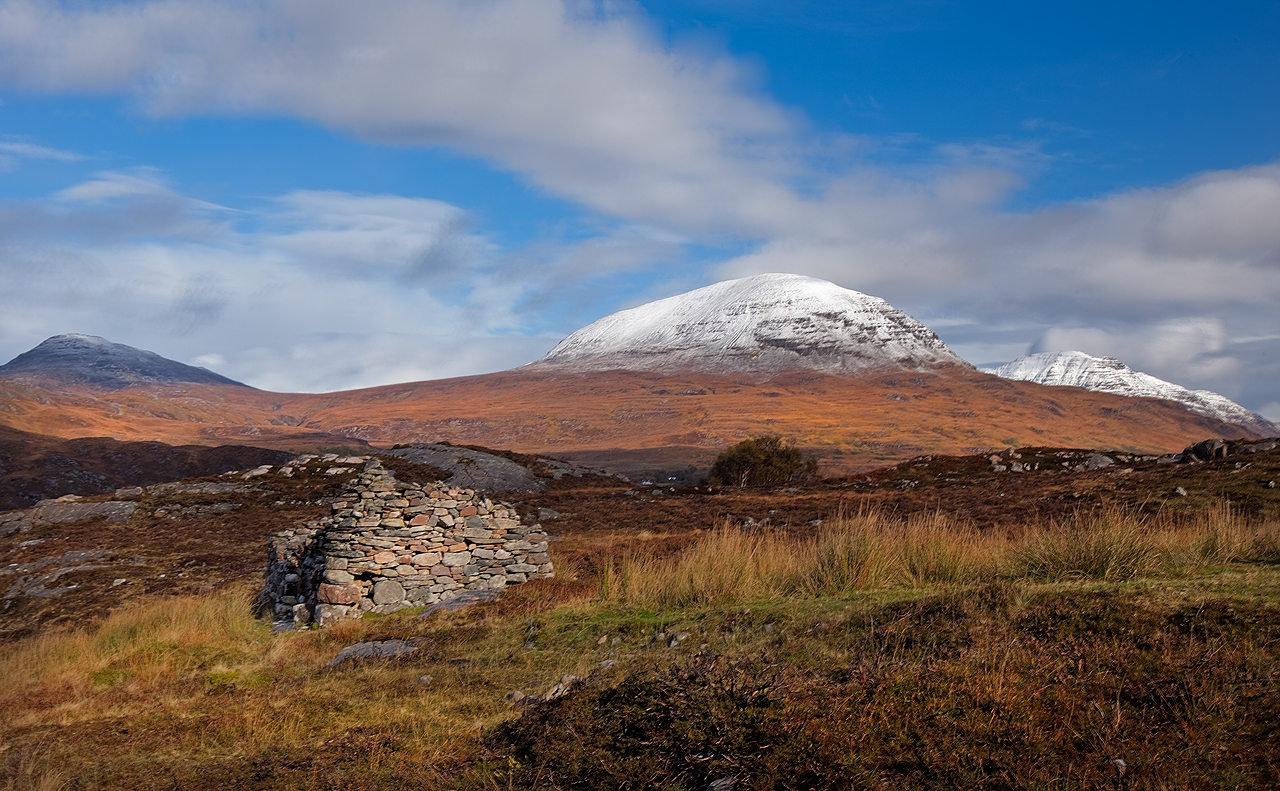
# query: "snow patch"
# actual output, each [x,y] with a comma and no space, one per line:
[766,323]
[1109,375]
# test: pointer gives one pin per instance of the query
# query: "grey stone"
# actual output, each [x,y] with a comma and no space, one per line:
[387,592]
[377,649]
[1097,461]
[474,469]
[52,512]
[464,599]
[329,614]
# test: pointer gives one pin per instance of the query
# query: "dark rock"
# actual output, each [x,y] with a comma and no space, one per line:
[1208,450]
[378,649]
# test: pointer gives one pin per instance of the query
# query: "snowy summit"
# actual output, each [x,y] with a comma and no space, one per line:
[1109,375]
[761,324]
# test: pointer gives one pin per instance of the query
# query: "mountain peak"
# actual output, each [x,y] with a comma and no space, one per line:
[766,323]
[1109,375]
[91,360]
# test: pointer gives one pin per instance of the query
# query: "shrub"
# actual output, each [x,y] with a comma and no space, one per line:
[761,461]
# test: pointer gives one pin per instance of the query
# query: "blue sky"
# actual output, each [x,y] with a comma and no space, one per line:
[314,195]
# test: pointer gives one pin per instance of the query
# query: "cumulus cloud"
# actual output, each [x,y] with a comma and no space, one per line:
[311,291]
[672,148]
[314,291]
[588,104]
[1179,281]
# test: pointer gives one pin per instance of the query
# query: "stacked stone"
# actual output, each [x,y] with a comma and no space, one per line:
[389,545]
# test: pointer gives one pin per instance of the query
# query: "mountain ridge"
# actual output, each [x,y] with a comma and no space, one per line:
[73,358]
[1110,375]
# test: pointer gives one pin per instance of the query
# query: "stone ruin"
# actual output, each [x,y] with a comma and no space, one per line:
[389,545]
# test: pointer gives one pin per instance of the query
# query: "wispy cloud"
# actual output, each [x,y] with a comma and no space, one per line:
[13,151]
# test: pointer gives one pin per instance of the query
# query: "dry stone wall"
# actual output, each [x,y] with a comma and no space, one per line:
[390,545]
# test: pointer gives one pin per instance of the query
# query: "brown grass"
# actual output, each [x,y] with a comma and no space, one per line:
[871,550]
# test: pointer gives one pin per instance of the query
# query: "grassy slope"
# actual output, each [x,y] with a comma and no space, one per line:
[996,670]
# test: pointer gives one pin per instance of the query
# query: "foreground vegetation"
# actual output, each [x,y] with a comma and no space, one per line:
[1110,651]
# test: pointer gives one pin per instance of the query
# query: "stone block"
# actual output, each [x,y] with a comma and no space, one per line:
[384,557]
[329,614]
[520,568]
[335,563]
[421,520]
[387,592]
[538,558]
[427,559]
[515,579]
[338,577]
[451,559]
[338,594]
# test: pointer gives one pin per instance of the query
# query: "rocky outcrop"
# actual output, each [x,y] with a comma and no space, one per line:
[65,510]
[473,469]
[390,545]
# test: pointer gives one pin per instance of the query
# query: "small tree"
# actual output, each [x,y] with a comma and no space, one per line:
[761,461]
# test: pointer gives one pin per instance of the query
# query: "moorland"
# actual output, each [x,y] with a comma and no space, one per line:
[939,623]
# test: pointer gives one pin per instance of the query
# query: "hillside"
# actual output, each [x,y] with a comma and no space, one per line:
[632,421]
[655,390]
[35,467]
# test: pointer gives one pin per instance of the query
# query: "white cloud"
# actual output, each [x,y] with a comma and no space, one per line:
[591,106]
[1271,411]
[12,150]
[317,290]
[673,147]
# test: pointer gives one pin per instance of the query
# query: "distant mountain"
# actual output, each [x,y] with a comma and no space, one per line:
[761,325]
[90,360]
[1109,375]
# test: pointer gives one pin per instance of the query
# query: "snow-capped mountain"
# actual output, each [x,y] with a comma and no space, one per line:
[1109,375]
[760,324]
[88,359]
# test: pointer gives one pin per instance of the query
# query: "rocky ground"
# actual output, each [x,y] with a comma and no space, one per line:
[58,568]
